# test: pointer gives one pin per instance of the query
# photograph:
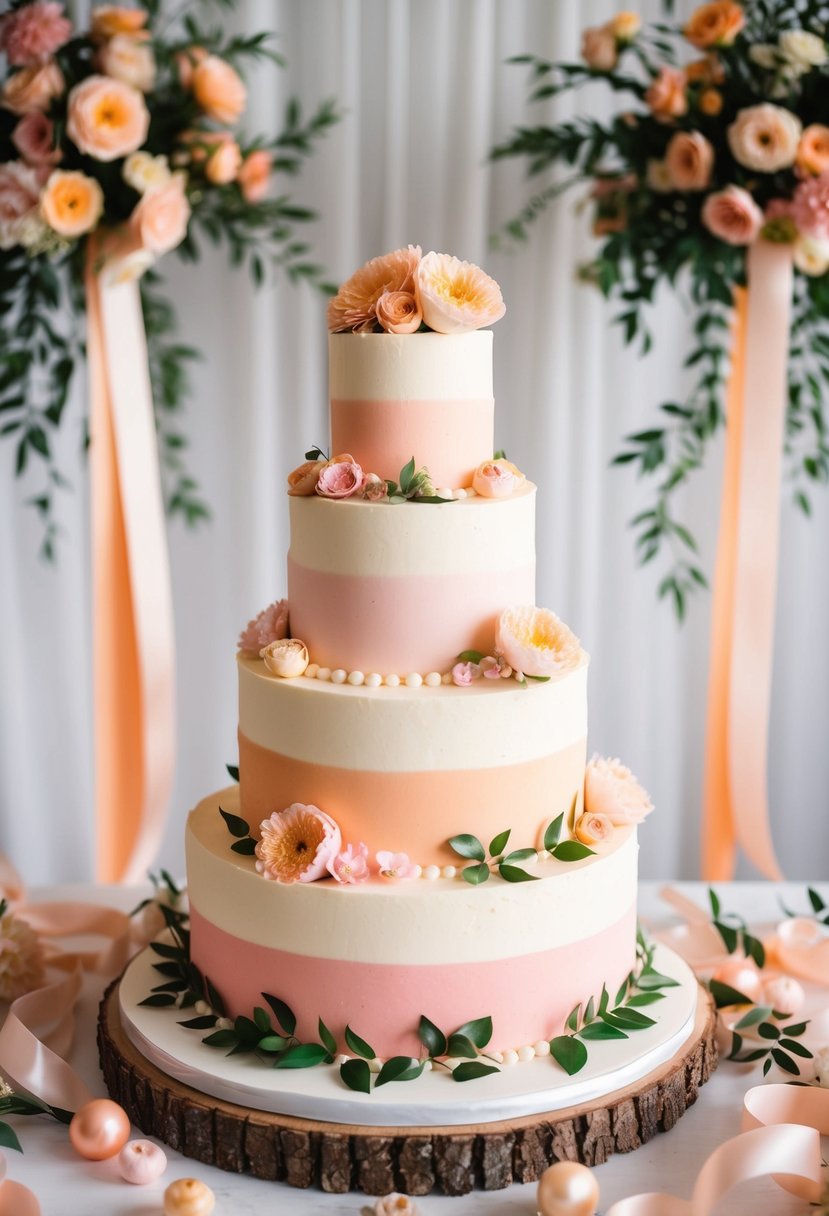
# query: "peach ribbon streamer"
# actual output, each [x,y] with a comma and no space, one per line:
[735,793]
[134,712]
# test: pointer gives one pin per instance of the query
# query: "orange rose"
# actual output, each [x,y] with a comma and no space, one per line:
[71,203]
[254,175]
[716,24]
[666,97]
[705,71]
[813,150]
[710,102]
[223,164]
[159,221]
[32,88]
[109,20]
[107,118]
[625,26]
[218,90]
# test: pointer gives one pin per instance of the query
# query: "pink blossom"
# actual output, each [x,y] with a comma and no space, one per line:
[732,215]
[297,844]
[34,138]
[464,673]
[33,32]
[396,865]
[374,488]
[490,667]
[810,206]
[340,479]
[351,865]
[271,625]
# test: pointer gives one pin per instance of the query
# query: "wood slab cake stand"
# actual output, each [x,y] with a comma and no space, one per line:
[414,1160]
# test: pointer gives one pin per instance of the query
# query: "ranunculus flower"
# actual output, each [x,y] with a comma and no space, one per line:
[159,220]
[271,625]
[783,993]
[107,119]
[297,844]
[224,163]
[33,32]
[374,488]
[129,60]
[813,150]
[72,202]
[456,296]
[765,137]
[811,256]
[810,207]
[339,479]
[611,789]
[21,958]
[255,175]
[666,97]
[351,865]
[689,159]
[599,49]
[464,673]
[32,88]
[285,657]
[802,48]
[34,138]
[395,865]
[218,89]
[593,828]
[144,172]
[399,312]
[108,20]
[302,481]
[716,24]
[19,195]
[732,215]
[354,307]
[534,641]
[497,479]
[625,26]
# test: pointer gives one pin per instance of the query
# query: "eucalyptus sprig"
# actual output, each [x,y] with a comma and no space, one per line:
[485,862]
[781,1045]
[735,932]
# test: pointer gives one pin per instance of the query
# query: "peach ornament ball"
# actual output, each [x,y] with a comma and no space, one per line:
[17,1200]
[99,1130]
[567,1189]
[141,1162]
[188,1197]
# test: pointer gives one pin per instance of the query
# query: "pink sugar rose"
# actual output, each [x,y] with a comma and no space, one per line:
[351,865]
[732,215]
[34,138]
[297,844]
[271,625]
[810,207]
[33,32]
[339,479]
[464,673]
[399,312]
[396,865]
[374,488]
[611,789]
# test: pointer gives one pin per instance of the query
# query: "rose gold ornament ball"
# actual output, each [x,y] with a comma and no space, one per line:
[567,1189]
[17,1200]
[188,1197]
[99,1130]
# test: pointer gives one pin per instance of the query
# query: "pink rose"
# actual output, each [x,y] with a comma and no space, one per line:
[732,215]
[107,119]
[464,673]
[598,48]
[666,97]
[32,88]
[593,829]
[689,159]
[350,866]
[19,196]
[33,32]
[130,60]
[497,479]
[218,89]
[396,865]
[399,312]
[302,481]
[271,625]
[159,221]
[255,174]
[765,138]
[611,789]
[339,479]
[374,488]
[810,207]
[34,138]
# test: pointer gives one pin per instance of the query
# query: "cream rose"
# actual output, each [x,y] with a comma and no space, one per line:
[32,88]
[689,159]
[159,220]
[144,172]
[129,60]
[107,119]
[658,177]
[398,312]
[811,256]
[598,48]
[286,657]
[497,479]
[802,48]
[765,138]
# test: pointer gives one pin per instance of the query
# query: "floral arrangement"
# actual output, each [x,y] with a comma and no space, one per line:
[723,138]
[21,956]
[405,292]
[120,143]
[342,477]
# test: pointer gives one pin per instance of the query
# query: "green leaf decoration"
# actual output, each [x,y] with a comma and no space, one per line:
[766,1067]
[329,1042]
[414,1072]
[723,994]
[467,846]
[433,1039]
[755,949]
[359,1046]
[479,1031]
[499,843]
[537,679]
[569,1052]
[406,475]
[235,825]
[461,1045]
[729,936]
[622,993]
[571,850]
[283,1013]
[158,1000]
[246,847]
[815,900]
[521,855]
[315,453]
[476,874]
[397,1068]
[604,1000]
[273,1042]
[233,769]
[785,1062]
[263,1022]
[304,1055]
[602,1030]
[396,499]
[767,1030]
[514,874]
[644,998]
[797,1049]
[200,1023]
[631,1018]
[795,1028]
[500,455]
[653,979]
[221,1038]
[553,833]
[572,1022]
[713,899]
[357,1076]
[470,656]
[758,1014]
[590,1010]
[165,950]
[8,1138]
[473,1069]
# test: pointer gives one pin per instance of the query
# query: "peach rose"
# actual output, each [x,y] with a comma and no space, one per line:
[666,96]
[689,159]
[593,829]
[109,20]
[285,657]
[598,48]
[811,255]
[708,70]
[813,150]
[732,215]
[72,203]
[159,220]
[129,60]
[765,138]
[34,138]
[224,163]
[716,24]
[611,789]
[107,119]
[19,194]
[456,296]
[32,88]
[255,174]
[218,89]
[625,26]
[497,479]
[534,641]
[186,60]
[399,312]
[339,479]
[33,32]
[302,482]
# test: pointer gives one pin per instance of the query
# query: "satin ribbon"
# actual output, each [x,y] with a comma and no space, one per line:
[735,791]
[133,642]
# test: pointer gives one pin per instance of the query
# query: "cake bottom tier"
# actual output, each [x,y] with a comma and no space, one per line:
[379,955]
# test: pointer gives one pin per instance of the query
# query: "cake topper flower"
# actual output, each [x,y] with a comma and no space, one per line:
[611,789]
[286,657]
[297,844]
[354,307]
[456,296]
[351,865]
[21,956]
[497,478]
[271,625]
[534,641]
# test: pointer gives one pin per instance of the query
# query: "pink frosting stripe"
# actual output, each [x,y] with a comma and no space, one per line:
[449,437]
[397,625]
[528,997]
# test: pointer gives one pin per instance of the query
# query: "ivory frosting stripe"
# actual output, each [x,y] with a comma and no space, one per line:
[438,367]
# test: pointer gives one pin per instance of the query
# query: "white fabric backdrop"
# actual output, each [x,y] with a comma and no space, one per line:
[426,92]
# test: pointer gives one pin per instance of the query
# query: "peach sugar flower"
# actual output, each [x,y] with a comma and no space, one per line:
[354,307]
[396,865]
[34,138]
[765,137]
[666,97]
[464,673]
[223,163]
[350,866]
[398,312]
[689,159]
[285,657]
[129,60]
[593,829]
[19,195]
[497,478]
[534,641]
[716,24]
[271,625]
[255,175]
[32,88]
[72,203]
[106,119]
[109,20]
[297,844]
[218,89]
[456,296]
[33,32]
[302,481]
[599,48]
[732,215]
[611,789]
[813,150]
[21,956]
[159,220]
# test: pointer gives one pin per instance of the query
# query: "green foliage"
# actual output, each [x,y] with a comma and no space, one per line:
[240,828]
[734,932]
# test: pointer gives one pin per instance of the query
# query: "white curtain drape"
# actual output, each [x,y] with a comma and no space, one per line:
[425,92]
